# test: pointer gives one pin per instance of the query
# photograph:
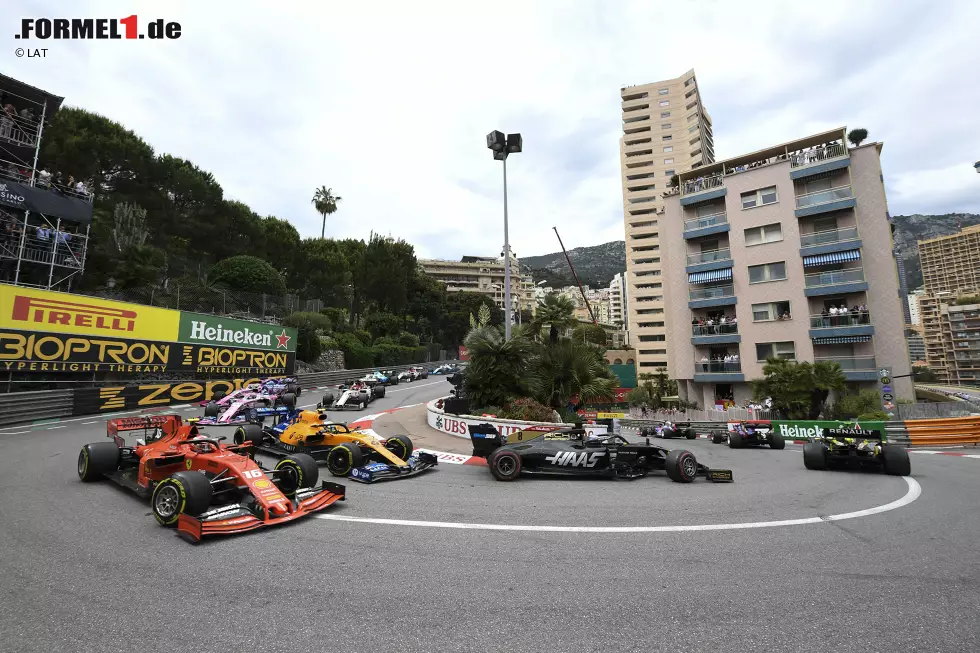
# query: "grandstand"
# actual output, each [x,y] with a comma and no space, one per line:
[45,216]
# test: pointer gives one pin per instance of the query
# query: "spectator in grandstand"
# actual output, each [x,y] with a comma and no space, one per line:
[44,179]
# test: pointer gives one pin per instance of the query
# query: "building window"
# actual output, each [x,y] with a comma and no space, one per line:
[767,272]
[770,312]
[665,125]
[669,148]
[766,350]
[655,338]
[663,91]
[668,137]
[665,103]
[669,173]
[653,364]
[665,114]
[759,197]
[769,233]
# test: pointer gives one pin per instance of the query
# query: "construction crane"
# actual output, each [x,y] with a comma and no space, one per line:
[575,275]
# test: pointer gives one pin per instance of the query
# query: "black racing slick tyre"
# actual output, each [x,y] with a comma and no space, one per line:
[379,392]
[735,440]
[717,437]
[814,455]
[296,472]
[505,465]
[182,492]
[400,445]
[690,434]
[327,400]
[288,400]
[97,459]
[248,433]
[681,466]
[211,410]
[343,458]
[776,441]
[218,396]
[895,460]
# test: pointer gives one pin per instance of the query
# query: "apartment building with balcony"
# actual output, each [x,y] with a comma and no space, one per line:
[618,300]
[666,131]
[776,242]
[484,275]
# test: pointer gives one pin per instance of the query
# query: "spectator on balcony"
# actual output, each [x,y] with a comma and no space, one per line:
[43,234]
[704,363]
[80,188]
[44,179]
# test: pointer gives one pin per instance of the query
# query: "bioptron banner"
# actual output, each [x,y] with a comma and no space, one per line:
[44,331]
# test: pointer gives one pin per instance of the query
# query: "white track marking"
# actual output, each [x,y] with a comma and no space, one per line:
[914,491]
[55,427]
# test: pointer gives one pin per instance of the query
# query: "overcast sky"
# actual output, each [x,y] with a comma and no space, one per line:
[389,103]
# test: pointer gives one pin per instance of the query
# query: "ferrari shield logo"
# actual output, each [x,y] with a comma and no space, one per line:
[188,463]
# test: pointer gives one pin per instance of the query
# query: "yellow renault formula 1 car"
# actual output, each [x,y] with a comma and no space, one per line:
[346,452]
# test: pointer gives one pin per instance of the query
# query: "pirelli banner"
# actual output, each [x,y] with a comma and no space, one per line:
[44,332]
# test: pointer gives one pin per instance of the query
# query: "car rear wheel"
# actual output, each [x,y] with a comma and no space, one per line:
[296,472]
[379,392]
[681,466]
[343,458]
[505,465]
[895,460]
[211,410]
[776,441]
[400,445]
[691,434]
[182,492]
[814,455]
[97,459]
[735,440]
[718,437]
[288,400]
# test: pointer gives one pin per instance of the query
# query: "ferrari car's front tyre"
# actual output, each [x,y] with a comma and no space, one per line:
[895,460]
[681,466]
[735,440]
[211,410]
[776,441]
[400,445]
[718,437]
[504,465]
[182,492]
[343,458]
[97,459]
[296,472]
[814,455]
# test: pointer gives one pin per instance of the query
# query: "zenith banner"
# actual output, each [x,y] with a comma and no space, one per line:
[88,401]
[43,331]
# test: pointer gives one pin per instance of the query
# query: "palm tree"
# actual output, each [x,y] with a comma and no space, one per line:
[497,367]
[326,204]
[555,312]
[827,376]
[568,368]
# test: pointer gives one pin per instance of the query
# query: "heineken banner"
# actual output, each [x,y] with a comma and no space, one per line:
[45,332]
[816,429]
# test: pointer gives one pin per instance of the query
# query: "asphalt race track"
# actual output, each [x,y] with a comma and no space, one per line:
[86,567]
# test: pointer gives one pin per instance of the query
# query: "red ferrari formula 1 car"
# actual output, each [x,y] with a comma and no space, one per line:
[202,486]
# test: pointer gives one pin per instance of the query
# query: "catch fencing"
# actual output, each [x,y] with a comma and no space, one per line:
[24,407]
[695,415]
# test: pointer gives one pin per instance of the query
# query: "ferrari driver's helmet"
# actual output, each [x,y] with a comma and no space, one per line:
[200,448]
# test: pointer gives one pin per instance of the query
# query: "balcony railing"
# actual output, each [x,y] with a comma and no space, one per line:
[713,292]
[817,155]
[705,221]
[702,184]
[725,329]
[834,277]
[850,363]
[851,318]
[717,367]
[824,196]
[829,237]
[707,257]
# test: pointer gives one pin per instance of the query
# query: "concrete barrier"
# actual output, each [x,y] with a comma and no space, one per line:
[458,425]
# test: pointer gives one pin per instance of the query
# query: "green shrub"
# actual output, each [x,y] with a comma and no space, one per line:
[528,410]
[383,324]
[383,340]
[320,322]
[489,410]
[392,354]
[328,342]
[850,406]
[873,416]
[356,354]
[406,339]
[338,318]
[247,273]
[363,336]
[308,347]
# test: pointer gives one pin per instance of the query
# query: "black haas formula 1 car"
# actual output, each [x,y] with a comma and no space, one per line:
[201,486]
[669,430]
[856,447]
[570,452]
[750,433]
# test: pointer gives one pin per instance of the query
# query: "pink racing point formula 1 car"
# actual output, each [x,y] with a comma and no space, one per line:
[249,405]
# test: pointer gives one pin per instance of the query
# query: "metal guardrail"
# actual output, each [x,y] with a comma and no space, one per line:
[20,407]
[33,406]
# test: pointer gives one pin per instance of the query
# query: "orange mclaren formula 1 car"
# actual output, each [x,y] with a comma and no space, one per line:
[200,485]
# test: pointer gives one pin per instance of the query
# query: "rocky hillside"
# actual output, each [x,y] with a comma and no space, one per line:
[912,228]
[596,265]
